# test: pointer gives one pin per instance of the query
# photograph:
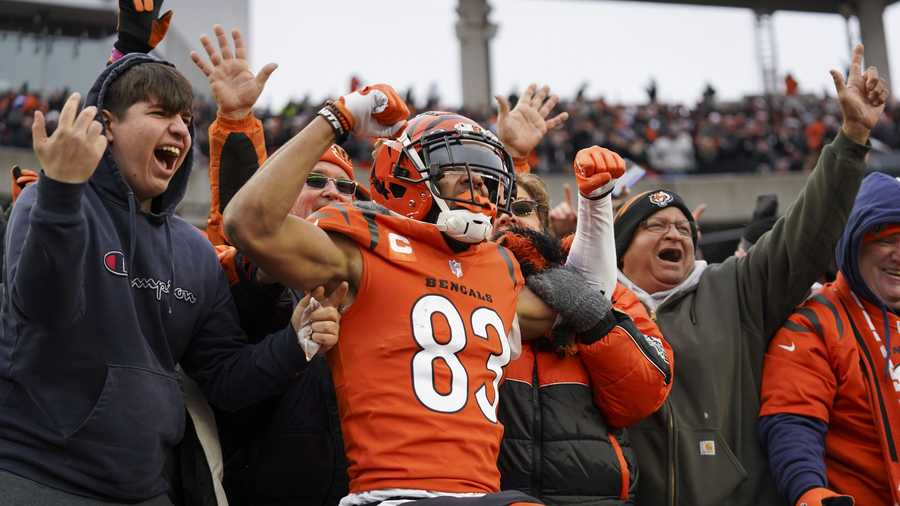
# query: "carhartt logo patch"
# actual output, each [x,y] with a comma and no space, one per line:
[660,199]
[707,447]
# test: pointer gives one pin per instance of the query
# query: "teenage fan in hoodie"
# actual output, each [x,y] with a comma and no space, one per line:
[107,290]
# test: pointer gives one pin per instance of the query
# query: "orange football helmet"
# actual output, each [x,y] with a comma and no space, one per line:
[406,172]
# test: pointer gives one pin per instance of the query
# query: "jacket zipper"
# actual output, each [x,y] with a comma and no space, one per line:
[673,436]
[869,372]
[537,434]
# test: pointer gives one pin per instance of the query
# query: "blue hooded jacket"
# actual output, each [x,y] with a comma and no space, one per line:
[102,300]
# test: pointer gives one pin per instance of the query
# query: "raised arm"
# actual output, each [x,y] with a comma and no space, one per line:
[236,142]
[778,271]
[257,220]
[593,252]
[48,234]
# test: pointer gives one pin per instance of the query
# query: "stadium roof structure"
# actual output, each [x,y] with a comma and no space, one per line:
[822,6]
[90,19]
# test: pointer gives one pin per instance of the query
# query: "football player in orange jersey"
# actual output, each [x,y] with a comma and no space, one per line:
[432,320]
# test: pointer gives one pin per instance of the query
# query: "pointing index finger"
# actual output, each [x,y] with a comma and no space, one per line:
[856,61]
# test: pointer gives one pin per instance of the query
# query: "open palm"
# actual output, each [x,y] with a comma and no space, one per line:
[233,84]
[522,128]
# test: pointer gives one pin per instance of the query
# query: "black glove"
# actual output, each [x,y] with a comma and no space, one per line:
[841,500]
[139,28]
[581,307]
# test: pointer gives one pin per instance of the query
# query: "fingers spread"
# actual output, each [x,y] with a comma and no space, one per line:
[239,48]
[210,51]
[527,94]
[557,121]
[201,64]
[548,105]
[502,106]
[540,96]
[38,130]
[265,73]
[223,42]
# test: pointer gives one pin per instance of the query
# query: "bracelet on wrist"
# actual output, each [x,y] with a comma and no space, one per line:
[340,133]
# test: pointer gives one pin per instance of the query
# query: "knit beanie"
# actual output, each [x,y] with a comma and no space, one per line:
[639,208]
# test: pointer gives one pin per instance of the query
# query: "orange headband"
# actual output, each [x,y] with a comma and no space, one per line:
[881,232]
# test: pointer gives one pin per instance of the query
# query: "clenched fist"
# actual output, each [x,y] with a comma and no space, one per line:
[72,153]
[374,111]
[595,169]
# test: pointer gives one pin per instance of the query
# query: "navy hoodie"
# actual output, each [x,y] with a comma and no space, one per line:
[102,301]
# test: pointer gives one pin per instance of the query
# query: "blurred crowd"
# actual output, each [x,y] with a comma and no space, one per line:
[755,134]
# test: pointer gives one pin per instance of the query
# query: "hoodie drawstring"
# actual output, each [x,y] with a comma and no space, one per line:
[887,342]
[132,216]
[171,261]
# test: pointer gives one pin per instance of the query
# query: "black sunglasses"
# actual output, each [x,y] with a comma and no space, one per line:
[318,181]
[523,208]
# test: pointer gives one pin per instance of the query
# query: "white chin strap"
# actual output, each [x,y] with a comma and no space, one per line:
[462,224]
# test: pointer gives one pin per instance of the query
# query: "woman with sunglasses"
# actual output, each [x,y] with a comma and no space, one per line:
[567,398]
[288,450]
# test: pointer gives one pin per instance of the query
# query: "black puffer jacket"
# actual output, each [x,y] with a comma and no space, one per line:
[561,411]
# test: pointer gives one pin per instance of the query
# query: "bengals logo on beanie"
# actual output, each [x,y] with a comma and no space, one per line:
[639,208]
[338,156]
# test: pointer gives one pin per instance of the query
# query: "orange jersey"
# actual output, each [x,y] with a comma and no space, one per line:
[420,354]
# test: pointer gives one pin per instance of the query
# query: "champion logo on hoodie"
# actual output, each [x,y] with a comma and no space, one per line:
[114,261]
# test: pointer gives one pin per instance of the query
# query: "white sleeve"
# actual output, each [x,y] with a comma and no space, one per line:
[515,340]
[593,252]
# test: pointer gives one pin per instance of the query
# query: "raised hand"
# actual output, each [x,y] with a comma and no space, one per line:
[563,219]
[862,97]
[374,111]
[72,153]
[233,84]
[595,170]
[317,319]
[522,128]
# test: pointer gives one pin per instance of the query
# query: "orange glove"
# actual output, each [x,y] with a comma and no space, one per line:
[376,110]
[20,179]
[596,168]
[824,497]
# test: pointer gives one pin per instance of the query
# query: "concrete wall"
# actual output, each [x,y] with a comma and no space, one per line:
[730,198]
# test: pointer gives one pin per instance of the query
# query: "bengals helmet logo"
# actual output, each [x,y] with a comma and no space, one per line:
[660,199]
[114,261]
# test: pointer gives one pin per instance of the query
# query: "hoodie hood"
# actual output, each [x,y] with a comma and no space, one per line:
[107,178]
[876,205]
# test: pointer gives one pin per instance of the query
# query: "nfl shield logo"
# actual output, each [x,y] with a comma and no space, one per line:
[456,268]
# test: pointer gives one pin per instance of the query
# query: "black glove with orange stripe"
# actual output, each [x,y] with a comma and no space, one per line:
[140,27]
